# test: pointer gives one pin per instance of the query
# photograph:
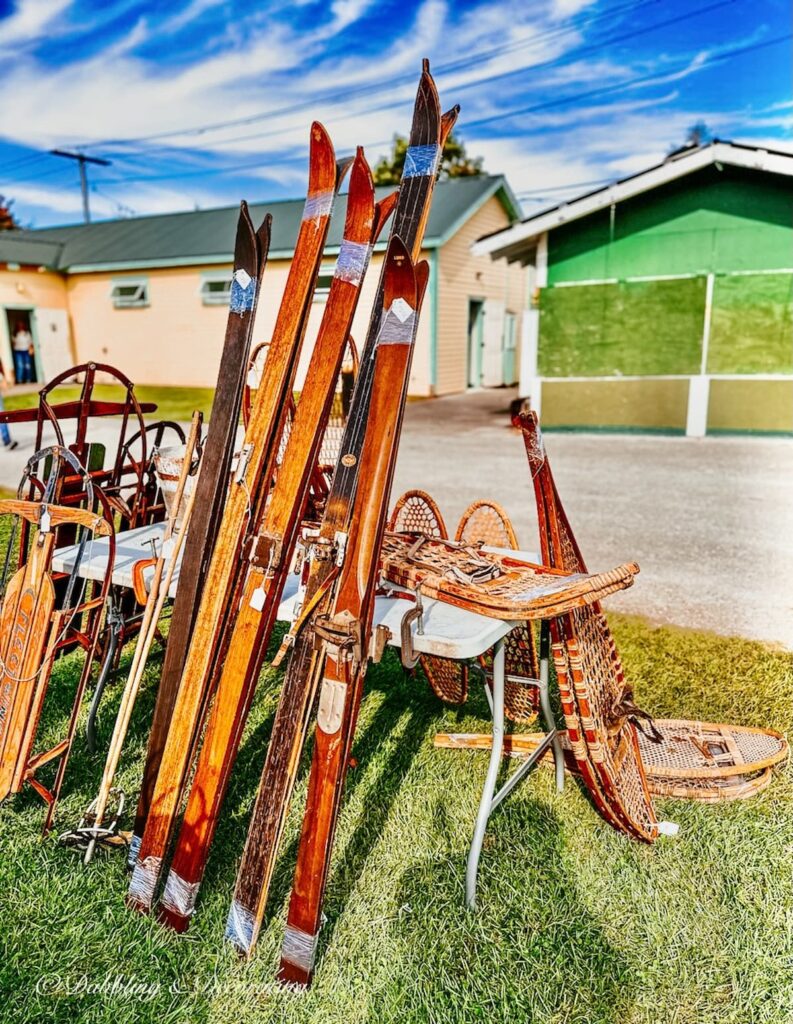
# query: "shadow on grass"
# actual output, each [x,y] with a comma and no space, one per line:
[530,952]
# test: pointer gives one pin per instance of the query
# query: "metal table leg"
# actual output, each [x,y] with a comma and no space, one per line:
[545,705]
[486,801]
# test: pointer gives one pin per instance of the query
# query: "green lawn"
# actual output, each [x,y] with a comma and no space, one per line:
[172,403]
[575,924]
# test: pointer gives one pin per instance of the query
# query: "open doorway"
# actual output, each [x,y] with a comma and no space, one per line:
[476,320]
[20,334]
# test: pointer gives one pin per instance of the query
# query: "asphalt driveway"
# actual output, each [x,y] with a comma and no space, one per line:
[710,521]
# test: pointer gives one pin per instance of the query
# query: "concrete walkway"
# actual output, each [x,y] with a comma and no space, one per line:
[709,520]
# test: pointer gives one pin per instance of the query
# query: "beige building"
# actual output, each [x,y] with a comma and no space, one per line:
[149,294]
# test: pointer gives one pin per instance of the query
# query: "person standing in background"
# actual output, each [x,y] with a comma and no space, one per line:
[23,353]
[5,435]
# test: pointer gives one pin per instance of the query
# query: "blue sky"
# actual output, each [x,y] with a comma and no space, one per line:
[199,103]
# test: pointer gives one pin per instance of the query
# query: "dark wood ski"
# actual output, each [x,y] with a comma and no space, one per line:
[271,554]
[246,498]
[427,133]
[250,257]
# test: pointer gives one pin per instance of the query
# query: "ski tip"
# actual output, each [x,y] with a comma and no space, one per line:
[422,277]
[263,233]
[361,174]
[448,121]
[383,210]
[425,66]
[400,277]
[322,161]
[245,242]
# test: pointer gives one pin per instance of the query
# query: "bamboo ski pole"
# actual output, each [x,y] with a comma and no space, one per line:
[158,595]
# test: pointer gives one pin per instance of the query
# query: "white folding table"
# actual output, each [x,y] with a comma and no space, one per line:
[441,629]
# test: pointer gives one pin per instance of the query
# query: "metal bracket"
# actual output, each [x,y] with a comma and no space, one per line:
[266,550]
[340,542]
[330,712]
[341,635]
[379,639]
[242,463]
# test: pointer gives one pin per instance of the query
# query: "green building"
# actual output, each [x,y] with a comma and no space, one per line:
[663,301]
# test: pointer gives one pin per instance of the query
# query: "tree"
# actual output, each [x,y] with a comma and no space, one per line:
[698,134]
[455,162]
[7,219]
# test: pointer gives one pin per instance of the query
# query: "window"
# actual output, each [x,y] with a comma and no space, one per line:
[323,285]
[130,294]
[216,290]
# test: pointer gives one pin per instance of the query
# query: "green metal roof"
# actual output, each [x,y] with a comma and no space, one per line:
[207,236]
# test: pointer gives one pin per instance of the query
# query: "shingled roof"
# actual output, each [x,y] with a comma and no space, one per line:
[207,236]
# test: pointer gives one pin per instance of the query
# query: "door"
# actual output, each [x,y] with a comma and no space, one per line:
[53,350]
[476,323]
[508,350]
[20,321]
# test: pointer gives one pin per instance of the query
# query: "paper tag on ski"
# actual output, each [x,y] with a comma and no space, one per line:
[242,277]
[257,599]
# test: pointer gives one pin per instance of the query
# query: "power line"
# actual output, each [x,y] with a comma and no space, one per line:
[503,115]
[82,160]
[726,55]
[339,94]
[471,61]
[570,58]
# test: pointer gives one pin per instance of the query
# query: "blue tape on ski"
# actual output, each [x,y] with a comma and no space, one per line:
[421,160]
[243,292]
[319,205]
[134,850]
[351,264]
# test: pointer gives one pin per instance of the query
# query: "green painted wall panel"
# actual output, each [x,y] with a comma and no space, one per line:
[642,327]
[713,220]
[752,325]
[763,405]
[629,404]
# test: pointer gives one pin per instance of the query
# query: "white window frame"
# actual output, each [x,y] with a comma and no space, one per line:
[137,301]
[321,291]
[216,298]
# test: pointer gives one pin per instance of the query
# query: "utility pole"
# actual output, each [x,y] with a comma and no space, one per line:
[83,160]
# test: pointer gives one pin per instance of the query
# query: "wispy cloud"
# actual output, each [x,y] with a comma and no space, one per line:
[29,22]
[133,69]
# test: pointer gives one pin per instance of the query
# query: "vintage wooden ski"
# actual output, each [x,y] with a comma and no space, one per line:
[250,257]
[344,631]
[271,554]
[248,493]
[164,568]
[299,688]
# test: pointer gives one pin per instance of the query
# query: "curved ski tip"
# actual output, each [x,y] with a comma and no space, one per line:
[425,66]
[322,161]
[361,177]
[384,209]
[422,278]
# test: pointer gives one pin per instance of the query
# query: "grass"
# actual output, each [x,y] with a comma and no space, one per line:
[575,923]
[172,403]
